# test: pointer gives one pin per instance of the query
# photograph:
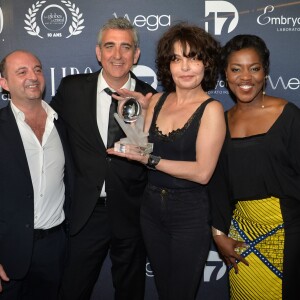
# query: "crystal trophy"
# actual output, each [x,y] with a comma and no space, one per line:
[130,119]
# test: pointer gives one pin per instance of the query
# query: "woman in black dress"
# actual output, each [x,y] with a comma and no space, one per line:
[257,182]
[187,128]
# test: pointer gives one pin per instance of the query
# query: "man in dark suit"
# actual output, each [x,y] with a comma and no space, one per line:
[108,190]
[35,176]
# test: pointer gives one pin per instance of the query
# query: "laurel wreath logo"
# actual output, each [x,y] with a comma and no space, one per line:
[74,28]
[33,29]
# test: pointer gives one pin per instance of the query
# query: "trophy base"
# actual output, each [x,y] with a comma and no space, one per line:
[120,147]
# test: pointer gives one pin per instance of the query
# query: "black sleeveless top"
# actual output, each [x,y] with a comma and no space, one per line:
[180,145]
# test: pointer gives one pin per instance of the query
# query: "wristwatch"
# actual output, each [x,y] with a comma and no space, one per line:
[152,162]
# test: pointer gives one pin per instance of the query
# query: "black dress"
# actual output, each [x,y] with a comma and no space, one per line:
[175,214]
[256,188]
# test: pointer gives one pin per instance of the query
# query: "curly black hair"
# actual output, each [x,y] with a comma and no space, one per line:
[200,43]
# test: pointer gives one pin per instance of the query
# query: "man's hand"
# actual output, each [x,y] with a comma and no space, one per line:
[226,247]
[3,276]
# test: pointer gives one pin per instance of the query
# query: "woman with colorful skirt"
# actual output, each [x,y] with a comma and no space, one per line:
[255,190]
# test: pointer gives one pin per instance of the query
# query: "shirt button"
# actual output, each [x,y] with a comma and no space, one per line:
[108,159]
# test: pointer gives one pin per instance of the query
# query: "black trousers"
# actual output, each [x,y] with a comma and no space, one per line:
[44,276]
[176,231]
[291,264]
[87,252]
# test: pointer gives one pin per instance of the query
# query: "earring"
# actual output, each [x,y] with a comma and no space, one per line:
[264,91]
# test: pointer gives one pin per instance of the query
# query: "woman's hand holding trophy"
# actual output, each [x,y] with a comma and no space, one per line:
[131,110]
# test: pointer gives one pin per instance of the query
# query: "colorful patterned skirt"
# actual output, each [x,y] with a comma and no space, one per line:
[259,224]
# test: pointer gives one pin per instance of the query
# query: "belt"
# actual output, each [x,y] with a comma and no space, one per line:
[102,201]
[39,234]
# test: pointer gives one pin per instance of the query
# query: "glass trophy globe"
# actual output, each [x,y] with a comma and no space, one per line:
[129,110]
[129,117]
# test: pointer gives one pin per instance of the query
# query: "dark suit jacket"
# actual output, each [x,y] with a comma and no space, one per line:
[16,196]
[75,101]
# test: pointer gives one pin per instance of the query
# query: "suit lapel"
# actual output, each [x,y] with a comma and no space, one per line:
[62,134]
[12,137]
[90,103]
[91,98]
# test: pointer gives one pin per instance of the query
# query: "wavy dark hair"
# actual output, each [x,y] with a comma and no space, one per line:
[200,43]
[244,41]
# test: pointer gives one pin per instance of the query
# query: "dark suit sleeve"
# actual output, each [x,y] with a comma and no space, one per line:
[142,86]
[69,168]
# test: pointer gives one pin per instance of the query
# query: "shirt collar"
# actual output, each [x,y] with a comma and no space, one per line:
[102,84]
[51,113]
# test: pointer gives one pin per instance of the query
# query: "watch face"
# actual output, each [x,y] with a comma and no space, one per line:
[154,160]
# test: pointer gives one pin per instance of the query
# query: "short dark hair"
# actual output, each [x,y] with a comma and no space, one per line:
[201,44]
[245,41]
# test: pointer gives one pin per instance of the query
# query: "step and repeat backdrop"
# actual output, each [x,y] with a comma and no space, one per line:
[63,34]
